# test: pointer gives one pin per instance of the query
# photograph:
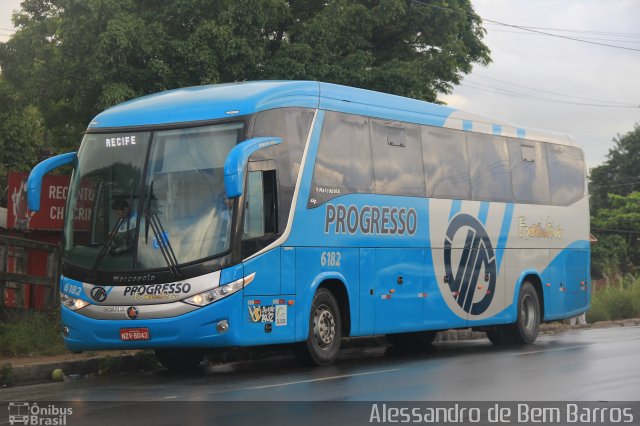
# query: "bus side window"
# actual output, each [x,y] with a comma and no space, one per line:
[566,174]
[529,173]
[261,211]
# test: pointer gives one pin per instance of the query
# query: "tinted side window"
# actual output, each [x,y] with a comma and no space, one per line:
[566,173]
[343,163]
[446,165]
[489,167]
[292,125]
[529,172]
[397,165]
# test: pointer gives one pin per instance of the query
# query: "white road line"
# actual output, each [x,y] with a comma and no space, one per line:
[322,379]
[553,350]
[574,347]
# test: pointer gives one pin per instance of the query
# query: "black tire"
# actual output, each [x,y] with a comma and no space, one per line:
[412,341]
[180,360]
[325,331]
[527,325]
[497,336]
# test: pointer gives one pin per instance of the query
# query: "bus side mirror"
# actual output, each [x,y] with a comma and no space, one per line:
[234,166]
[34,183]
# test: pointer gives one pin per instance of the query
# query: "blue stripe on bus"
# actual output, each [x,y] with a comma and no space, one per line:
[497,129]
[484,211]
[504,233]
[456,205]
[521,133]
[467,125]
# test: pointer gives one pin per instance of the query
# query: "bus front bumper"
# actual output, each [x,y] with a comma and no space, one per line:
[196,329]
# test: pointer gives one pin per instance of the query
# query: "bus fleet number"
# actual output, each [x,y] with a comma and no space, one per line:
[72,290]
[330,258]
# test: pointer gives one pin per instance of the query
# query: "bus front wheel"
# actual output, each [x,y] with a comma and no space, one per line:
[325,331]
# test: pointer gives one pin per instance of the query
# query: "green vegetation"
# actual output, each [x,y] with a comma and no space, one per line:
[7,377]
[30,333]
[71,59]
[618,301]
[615,208]
[109,365]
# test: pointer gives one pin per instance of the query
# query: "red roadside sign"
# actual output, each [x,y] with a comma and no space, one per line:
[52,203]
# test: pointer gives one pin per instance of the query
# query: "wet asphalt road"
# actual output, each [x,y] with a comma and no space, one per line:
[595,365]
[601,364]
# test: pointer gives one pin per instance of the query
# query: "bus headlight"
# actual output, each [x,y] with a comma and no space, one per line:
[210,296]
[71,302]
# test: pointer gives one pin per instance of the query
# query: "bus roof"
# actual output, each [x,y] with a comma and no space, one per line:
[202,103]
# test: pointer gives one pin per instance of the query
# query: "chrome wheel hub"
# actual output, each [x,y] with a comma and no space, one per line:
[324,327]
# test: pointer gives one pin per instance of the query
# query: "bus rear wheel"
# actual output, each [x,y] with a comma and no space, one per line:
[527,326]
[325,331]
[180,360]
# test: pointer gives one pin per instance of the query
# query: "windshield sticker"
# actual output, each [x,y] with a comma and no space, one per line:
[120,141]
[164,238]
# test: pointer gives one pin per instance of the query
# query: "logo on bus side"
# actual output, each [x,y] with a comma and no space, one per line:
[370,220]
[465,281]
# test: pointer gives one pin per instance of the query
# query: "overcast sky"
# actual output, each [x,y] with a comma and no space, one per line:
[588,73]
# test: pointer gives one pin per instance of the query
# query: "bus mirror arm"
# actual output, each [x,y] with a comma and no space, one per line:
[34,183]
[235,164]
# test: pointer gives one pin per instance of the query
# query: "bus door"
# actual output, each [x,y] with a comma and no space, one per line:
[399,285]
[260,228]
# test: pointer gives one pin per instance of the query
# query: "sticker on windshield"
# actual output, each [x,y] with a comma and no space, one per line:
[165,240]
[120,141]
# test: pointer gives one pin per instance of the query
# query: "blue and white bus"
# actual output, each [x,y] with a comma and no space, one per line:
[301,212]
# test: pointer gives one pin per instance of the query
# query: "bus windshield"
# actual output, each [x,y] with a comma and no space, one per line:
[142,201]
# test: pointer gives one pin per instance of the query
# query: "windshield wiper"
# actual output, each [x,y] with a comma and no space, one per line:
[107,243]
[152,220]
[163,241]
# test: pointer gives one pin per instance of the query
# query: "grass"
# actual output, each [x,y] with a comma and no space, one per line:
[6,375]
[620,300]
[30,333]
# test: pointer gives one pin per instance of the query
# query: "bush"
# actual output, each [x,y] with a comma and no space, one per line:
[616,302]
[6,375]
[30,333]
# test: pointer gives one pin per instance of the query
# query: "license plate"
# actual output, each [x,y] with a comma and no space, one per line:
[134,334]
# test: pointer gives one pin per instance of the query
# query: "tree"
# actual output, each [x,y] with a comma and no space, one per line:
[618,227]
[75,58]
[615,207]
[619,174]
[21,135]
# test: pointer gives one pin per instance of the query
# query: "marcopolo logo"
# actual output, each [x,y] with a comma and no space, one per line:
[99,294]
[471,291]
